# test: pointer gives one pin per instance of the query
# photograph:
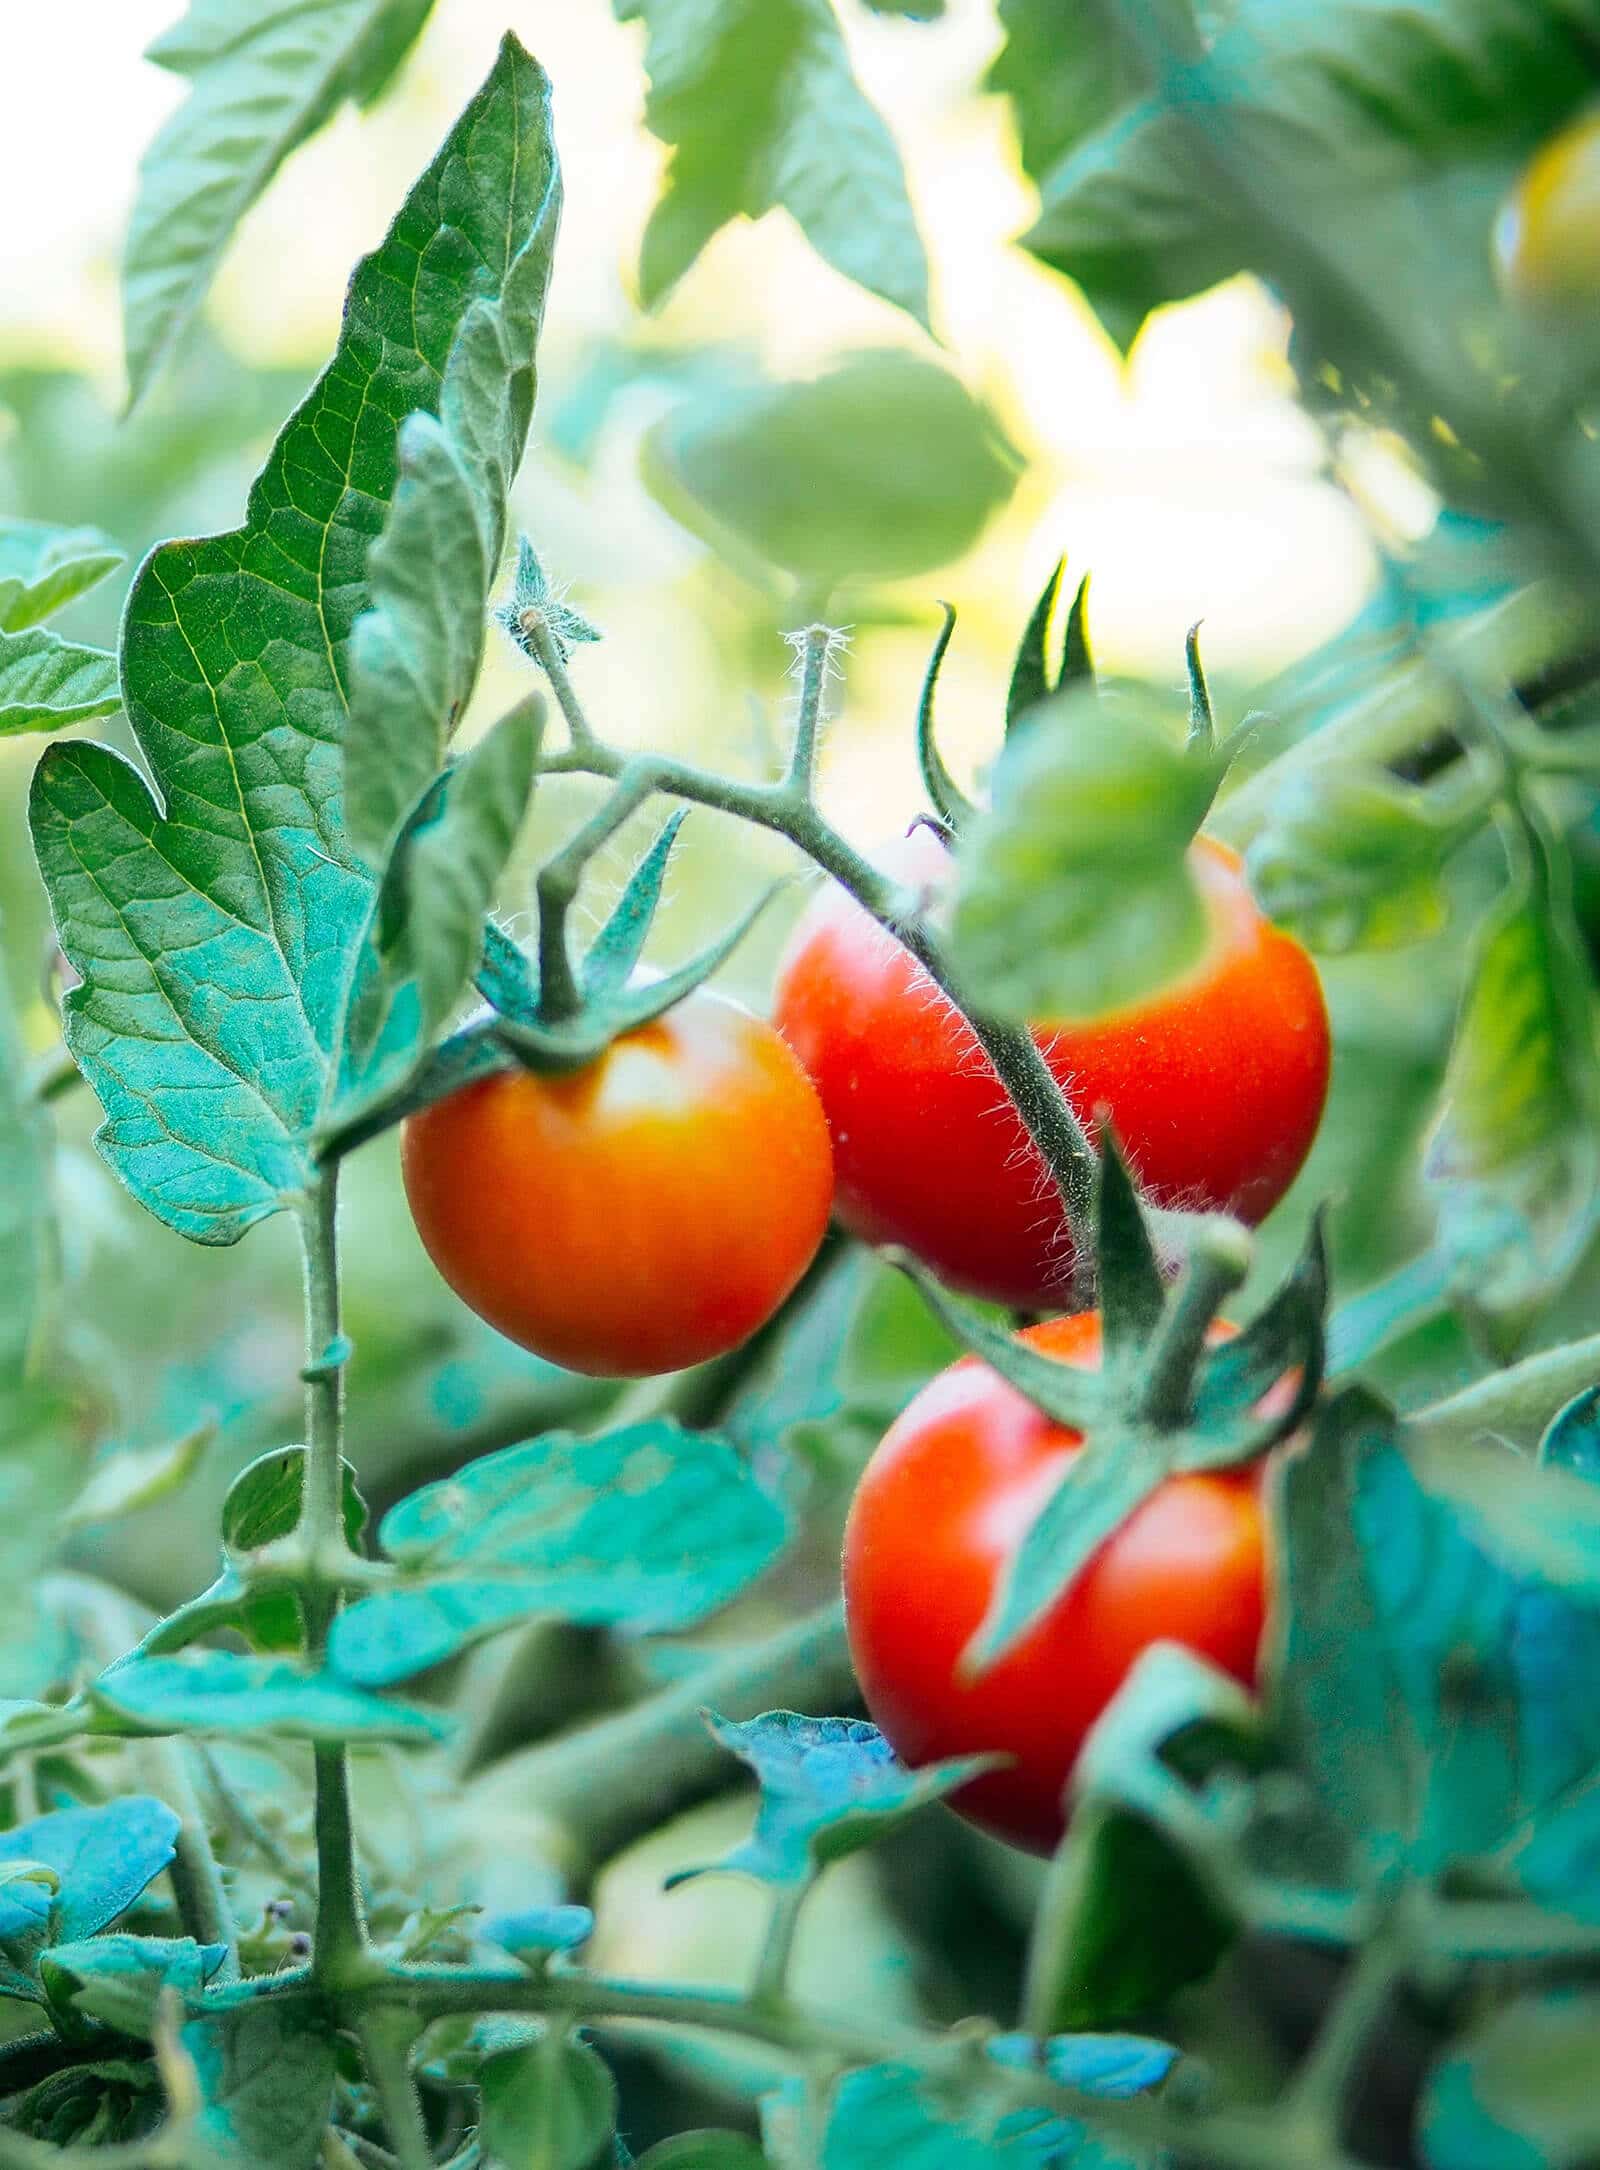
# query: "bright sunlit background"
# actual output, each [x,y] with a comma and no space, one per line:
[1188,484]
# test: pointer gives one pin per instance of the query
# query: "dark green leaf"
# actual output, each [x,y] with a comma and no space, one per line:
[1124,1920]
[119,1978]
[707,2150]
[47,683]
[950,803]
[650,1526]
[44,568]
[263,1502]
[1131,1293]
[617,948]
[1323,115]
[761,108]
[913,11]
[1515,1154]
[828,1787]
[266,2073]
[215,1691]
[262,78]
[1075,893]
[552,2106]
[1031,680]
[1064,73]
[212,1063]
[830,477]
[1516,2092]
[424,937]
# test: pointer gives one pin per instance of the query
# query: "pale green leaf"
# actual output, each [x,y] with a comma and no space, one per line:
[216,1691]
[762,109]
[265,2072]
[263,75]
[47,683]
[43,568]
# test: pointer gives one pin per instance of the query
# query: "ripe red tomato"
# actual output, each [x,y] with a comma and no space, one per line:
[641,1214]
[1215,1086]
[1547,237]
[939,1511]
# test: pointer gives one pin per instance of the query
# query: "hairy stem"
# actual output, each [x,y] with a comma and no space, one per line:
[386,2053]
[340,1937]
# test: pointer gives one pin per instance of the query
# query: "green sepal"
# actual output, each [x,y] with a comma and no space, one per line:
[1287,1336]
[614,953]
[950,802]
[1067,1395]
[1031,681]
[1131,1290]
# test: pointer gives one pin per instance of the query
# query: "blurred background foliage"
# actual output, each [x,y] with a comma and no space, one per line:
[695,475]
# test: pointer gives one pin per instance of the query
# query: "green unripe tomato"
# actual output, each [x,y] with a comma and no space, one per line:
[1547,236]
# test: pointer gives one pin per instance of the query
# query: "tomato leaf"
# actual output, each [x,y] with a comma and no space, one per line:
[1333,111]
[1514,1157]
[1514,2092]
[129,1479]
[1074,894]
[423,938]
[217,1691]
[553,2104]
[760,105]
[47,683]
[1350,858]
[1124,1920]
[27,1221]
[649,1527]
[1572,1437]
[44,568]
[102,1858]
[215,932]
[1063,74]
[119,1978]
[266,2074]
[262,78]
[828,477]
[828,1787]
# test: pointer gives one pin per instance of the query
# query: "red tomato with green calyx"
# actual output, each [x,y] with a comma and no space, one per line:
[644,1213]
[1215,1086]
[938,1514]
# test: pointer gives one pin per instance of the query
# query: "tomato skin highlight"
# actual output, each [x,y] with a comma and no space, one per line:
[1547,236]
[647,1212]
[1215,1086]
[940,1509]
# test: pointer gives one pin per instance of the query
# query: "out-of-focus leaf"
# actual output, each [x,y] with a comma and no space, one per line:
[263,75]
[119,1978]
[102,1859]
[760,105]
[217,1691]
[236,657]
[1075,895]
[1124,1920]
[47,683]
[831,479]
[1327,112]
[1063,74]
[1515,1157]
[1572,1437]
[650,1527]
[266,2073]
[27,1220]
[1514,2093]
[130,1478]
[43,568]
[552,2105]
[828,1786]
[1350,859]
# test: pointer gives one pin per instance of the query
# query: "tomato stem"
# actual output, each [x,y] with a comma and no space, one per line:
[1218,1260]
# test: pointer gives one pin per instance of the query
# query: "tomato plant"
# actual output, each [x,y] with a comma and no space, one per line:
[934,1523]
[1215,1085]
[649,1211]
[442,1735]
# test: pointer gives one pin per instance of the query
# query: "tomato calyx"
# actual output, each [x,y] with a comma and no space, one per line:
[548,1014]
[1164,1402]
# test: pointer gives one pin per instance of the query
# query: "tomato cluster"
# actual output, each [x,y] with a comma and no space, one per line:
[652,1209]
